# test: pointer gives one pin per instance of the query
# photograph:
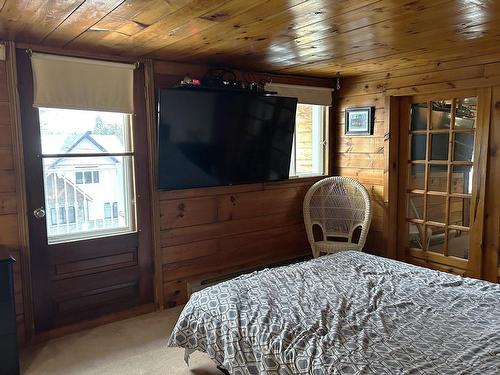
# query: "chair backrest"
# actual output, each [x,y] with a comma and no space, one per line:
[338,205]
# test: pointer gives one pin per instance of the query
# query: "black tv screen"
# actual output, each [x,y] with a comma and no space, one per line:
[215,138]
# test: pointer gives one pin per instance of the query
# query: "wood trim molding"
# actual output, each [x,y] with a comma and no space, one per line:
[17,150]
[391,168]
[474,267]
[491,250]
[404,125]
[149,90]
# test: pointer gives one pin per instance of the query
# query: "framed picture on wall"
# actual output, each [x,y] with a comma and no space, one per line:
[359,121]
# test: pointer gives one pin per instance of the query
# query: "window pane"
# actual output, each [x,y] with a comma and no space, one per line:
[53,216]
[458,243]
[87,177]
[309,140]
[71,214]
[416,176]
[62,215]
[460,211]
[441,114]
[438,178]
[435,239]
[416,236]
[415,206]
[463,148]
[436,208]
[79,177]
[419,116]
[74,131]
[418,146]
[95,177]
[81,207]
[461,179]
[465,116]
[303,132]
[107,210]
[439,146]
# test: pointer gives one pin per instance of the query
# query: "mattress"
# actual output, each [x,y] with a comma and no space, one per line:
[346,313]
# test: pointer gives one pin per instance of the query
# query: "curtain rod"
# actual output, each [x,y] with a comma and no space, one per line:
[74,53]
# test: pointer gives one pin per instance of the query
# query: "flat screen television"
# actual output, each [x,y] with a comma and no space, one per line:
[217,137]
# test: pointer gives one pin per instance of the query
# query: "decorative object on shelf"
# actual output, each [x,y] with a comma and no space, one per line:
[359,121]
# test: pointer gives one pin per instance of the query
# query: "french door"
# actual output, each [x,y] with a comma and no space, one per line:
[88,208]
[443,151]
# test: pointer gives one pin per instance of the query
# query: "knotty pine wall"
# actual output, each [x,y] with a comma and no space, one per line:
[211,232]
[9,227]
[364,157]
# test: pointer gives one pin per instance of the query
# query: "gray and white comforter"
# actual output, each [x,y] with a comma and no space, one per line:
[347,313]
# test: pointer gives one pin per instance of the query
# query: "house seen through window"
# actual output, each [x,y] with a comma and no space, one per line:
[88,163]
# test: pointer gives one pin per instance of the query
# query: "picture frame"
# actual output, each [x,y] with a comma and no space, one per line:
[359,121]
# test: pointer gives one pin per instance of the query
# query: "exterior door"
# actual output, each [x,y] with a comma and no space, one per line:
[441,174]
[88,201]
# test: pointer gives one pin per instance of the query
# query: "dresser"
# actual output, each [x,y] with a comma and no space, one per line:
[9,359]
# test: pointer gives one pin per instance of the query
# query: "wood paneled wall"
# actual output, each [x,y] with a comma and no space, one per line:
[367,158]
[212,232]
[9,225]
[362,157]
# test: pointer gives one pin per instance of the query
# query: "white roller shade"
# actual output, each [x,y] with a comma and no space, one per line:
[74,83]
[305,94]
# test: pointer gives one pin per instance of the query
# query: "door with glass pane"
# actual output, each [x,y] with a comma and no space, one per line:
[87,202]
[438,160]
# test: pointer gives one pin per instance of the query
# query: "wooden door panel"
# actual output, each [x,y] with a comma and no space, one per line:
[88,266]
[90,301]
[438,216]
[101,281]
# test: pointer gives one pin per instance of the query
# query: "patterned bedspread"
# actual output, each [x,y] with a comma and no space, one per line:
[346,313]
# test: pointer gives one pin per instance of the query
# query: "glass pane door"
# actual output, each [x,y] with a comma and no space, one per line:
[440,168]
[88,173]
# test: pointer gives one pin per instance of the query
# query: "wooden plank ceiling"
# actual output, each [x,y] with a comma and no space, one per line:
[313,37]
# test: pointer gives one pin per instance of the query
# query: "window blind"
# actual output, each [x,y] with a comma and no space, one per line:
[76,83]
[305,94]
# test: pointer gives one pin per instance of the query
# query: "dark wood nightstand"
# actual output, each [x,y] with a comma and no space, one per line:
[9,357]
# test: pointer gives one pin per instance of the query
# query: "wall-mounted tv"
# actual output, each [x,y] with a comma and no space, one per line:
[218,137]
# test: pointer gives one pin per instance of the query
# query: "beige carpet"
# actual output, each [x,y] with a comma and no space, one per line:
[129,347]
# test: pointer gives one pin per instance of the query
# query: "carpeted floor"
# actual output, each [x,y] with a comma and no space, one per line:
[129,347]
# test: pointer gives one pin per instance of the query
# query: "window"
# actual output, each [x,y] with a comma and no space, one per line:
[62,215]
[53,216]
[79,177]
[308,150]
[115,210]
[87,177]
[107,210]
[71,214]
[95,148]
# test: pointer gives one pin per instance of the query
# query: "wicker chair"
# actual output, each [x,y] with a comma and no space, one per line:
[338,205]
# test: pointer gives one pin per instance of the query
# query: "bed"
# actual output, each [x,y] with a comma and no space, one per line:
[346,313]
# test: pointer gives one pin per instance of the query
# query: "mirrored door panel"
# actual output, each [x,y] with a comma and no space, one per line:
[437,166]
